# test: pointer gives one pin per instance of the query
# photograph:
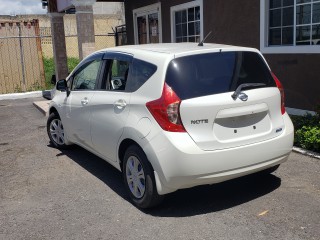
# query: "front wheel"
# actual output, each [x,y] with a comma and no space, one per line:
[139,178]
[55,131]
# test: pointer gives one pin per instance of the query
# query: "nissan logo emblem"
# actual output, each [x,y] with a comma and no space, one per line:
[243,97]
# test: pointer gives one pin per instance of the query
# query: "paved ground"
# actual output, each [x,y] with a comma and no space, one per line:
[49,194]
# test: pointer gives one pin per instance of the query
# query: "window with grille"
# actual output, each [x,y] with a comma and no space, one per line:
[294,22]
[186,22]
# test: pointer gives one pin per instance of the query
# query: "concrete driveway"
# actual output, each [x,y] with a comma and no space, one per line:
[46,193]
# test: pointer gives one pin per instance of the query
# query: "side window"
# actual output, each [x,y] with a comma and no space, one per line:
[85,78]
[117,75]
[140,73]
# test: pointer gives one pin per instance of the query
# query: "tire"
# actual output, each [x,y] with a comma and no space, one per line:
[139,179]
[55,131]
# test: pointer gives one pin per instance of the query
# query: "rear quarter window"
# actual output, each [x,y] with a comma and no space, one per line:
[140,72]
[214,73]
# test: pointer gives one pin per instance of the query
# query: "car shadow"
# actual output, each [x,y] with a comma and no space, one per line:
[217,197]
[186,202]
[97,167]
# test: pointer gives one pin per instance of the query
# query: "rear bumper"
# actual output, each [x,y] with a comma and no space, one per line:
[179,163]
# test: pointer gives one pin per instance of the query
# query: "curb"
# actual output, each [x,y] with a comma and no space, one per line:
[48,94]
[42,106]
[11,96]
[306,152]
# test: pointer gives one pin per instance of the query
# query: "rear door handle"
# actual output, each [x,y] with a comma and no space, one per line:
[84,101]
[120,104]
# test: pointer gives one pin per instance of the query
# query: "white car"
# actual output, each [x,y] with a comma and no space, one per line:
[173,116]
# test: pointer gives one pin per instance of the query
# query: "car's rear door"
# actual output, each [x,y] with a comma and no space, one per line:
[212,112]
[111,105]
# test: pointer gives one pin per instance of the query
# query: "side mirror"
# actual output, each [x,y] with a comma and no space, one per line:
[62,85]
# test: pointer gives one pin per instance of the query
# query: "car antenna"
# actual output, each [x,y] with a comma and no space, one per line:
[201,43]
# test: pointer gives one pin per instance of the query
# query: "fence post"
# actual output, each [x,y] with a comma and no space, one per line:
[22,60]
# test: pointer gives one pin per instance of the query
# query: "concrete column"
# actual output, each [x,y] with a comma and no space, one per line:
[85,27]
[59,45]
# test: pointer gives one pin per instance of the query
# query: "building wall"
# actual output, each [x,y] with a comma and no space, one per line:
[238,23]
[109,8]
[165,15]
[300,76]
[232,22]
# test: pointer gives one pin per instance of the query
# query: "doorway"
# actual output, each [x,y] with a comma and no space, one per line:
[147,24]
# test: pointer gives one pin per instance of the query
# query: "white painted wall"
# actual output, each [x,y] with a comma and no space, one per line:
[107,8]
[98,7]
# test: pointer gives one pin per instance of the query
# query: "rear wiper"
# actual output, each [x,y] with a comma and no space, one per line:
[244,85]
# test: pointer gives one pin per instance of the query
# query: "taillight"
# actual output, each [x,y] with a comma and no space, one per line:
[279,85]
[165,110]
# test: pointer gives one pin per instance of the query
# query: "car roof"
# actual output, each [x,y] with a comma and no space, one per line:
[177,48]
[163,52]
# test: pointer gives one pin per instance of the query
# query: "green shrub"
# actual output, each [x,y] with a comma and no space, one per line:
[72,63]
[49,69]
[48,65]
[306,120]
[307,131]
[308,137]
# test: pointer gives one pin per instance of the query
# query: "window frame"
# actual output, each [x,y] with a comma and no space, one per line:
[84,64]
[176,8]
[150,9]
[108,58]
[284,49]
[223,77]
[134,63]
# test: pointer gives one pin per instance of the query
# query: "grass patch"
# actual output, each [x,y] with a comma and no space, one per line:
[49,69]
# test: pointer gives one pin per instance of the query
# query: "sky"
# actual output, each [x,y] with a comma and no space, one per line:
[18,7]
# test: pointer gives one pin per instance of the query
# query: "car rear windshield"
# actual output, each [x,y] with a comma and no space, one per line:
[214,73]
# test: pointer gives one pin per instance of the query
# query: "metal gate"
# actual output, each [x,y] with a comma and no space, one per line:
[120,34]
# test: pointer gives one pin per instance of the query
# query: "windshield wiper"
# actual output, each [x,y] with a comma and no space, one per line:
[244,85]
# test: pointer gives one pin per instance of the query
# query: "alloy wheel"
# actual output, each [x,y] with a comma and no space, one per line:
[135,177]
[57,131]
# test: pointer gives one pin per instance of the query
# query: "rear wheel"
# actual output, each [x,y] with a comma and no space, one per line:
[55,131]
[139,178]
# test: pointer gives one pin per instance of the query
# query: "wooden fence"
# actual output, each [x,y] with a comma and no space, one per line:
[21,65]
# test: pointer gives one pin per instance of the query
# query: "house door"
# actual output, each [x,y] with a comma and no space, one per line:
[147,21]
